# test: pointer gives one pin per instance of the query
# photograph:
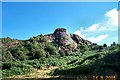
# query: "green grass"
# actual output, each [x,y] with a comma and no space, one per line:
[86,63]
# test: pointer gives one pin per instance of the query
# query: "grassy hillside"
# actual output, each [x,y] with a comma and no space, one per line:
[22,57]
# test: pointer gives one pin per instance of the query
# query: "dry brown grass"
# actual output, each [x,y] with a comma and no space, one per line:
[38,73]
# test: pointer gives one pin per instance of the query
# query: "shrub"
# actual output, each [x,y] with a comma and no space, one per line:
[104,45]
[19,52]
[39,53]
[6,55]
[84,47]
[51,49]
[26,69]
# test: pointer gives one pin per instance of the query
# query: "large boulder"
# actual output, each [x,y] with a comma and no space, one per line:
[63,39]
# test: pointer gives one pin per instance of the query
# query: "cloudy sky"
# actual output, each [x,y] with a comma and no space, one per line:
[103,31]
[94,21]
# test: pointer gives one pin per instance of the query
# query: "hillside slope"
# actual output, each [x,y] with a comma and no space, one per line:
[71,54]
[44,45]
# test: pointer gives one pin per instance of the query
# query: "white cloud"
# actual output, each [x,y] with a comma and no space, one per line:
[78,32]
[112,16]
[92,28]
[95,27]
[92,39]
[110,24]
[98,38]
[102,28]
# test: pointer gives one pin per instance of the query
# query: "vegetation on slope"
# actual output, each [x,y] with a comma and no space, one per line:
[21,57]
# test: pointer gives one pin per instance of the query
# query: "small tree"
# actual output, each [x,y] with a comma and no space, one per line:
[114,43]
[100,48]
[84,47]
[47,54]
[39,53]
[6,55]
[51,49]
[104,45]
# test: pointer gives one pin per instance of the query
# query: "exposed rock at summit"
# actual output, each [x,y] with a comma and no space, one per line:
[63,39]
[60,39]
[66,41]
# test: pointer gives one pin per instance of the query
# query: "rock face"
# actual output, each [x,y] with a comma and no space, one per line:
[58,30]
[79,40]
[66,41]
[63,39]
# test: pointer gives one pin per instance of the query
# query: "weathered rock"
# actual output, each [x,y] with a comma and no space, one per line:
[88,42]
[63,39]
[77,38]
[60,30]
[66,41]
[49,38]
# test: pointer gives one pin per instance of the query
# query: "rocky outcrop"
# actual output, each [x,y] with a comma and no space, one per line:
[79,40]
[49,38]
[65,41]
[58,30]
